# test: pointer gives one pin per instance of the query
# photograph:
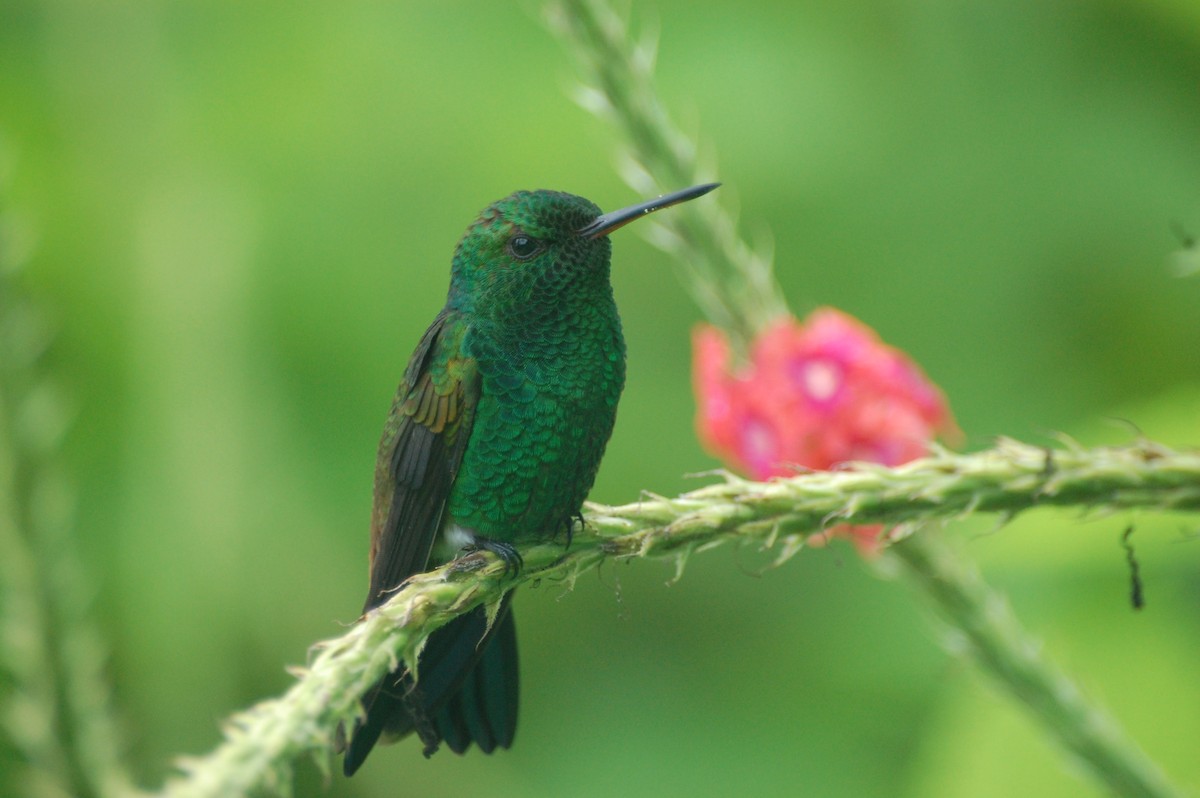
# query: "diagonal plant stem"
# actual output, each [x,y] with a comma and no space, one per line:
[733,284]
[262,742]
[996,639]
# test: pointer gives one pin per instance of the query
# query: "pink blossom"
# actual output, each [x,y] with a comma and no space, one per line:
[814,394]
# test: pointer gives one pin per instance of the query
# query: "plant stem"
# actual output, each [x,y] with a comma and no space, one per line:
[1014,660]
[732,284]
[263,741]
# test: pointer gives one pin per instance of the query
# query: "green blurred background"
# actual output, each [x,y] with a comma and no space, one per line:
[244,218]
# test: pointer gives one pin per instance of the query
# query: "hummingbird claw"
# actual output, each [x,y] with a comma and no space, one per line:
[569,527]
[508,554]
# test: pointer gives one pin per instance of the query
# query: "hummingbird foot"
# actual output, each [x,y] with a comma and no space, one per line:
[568,527]
[508,554]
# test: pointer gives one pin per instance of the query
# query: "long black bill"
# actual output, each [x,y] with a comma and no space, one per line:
[607,222]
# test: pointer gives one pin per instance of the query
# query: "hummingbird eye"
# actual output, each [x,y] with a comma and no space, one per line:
[523,247]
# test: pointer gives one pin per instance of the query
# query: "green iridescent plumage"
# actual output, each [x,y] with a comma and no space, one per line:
[547,344]
[494,439]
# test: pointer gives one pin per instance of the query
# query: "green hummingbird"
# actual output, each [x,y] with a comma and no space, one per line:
[494,439]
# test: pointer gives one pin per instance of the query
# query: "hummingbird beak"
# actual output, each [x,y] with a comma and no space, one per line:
[607,222]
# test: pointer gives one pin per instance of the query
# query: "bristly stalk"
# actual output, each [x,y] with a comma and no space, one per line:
[733,284]
[263,741]
[56,713]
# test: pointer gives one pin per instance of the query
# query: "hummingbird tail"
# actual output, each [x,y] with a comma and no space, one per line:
[484,709]
[468,691]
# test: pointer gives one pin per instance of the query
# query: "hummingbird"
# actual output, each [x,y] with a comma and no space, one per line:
[493,440]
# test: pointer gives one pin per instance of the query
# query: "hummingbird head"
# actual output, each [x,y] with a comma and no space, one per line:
[540,249]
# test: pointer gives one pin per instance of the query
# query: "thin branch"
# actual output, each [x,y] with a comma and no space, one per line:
[263,741]
[983,619]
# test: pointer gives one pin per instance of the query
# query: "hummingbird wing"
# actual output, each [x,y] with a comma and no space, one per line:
[419,455]
[468,689]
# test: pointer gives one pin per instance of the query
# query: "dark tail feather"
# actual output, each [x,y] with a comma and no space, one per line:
[484,710]
[468,691]
[380,706]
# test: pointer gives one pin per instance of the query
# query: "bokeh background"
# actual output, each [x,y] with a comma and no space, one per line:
[244,215]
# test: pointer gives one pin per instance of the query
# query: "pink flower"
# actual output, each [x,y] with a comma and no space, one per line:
[814,394]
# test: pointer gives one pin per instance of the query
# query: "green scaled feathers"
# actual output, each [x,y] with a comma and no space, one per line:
[494,439]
